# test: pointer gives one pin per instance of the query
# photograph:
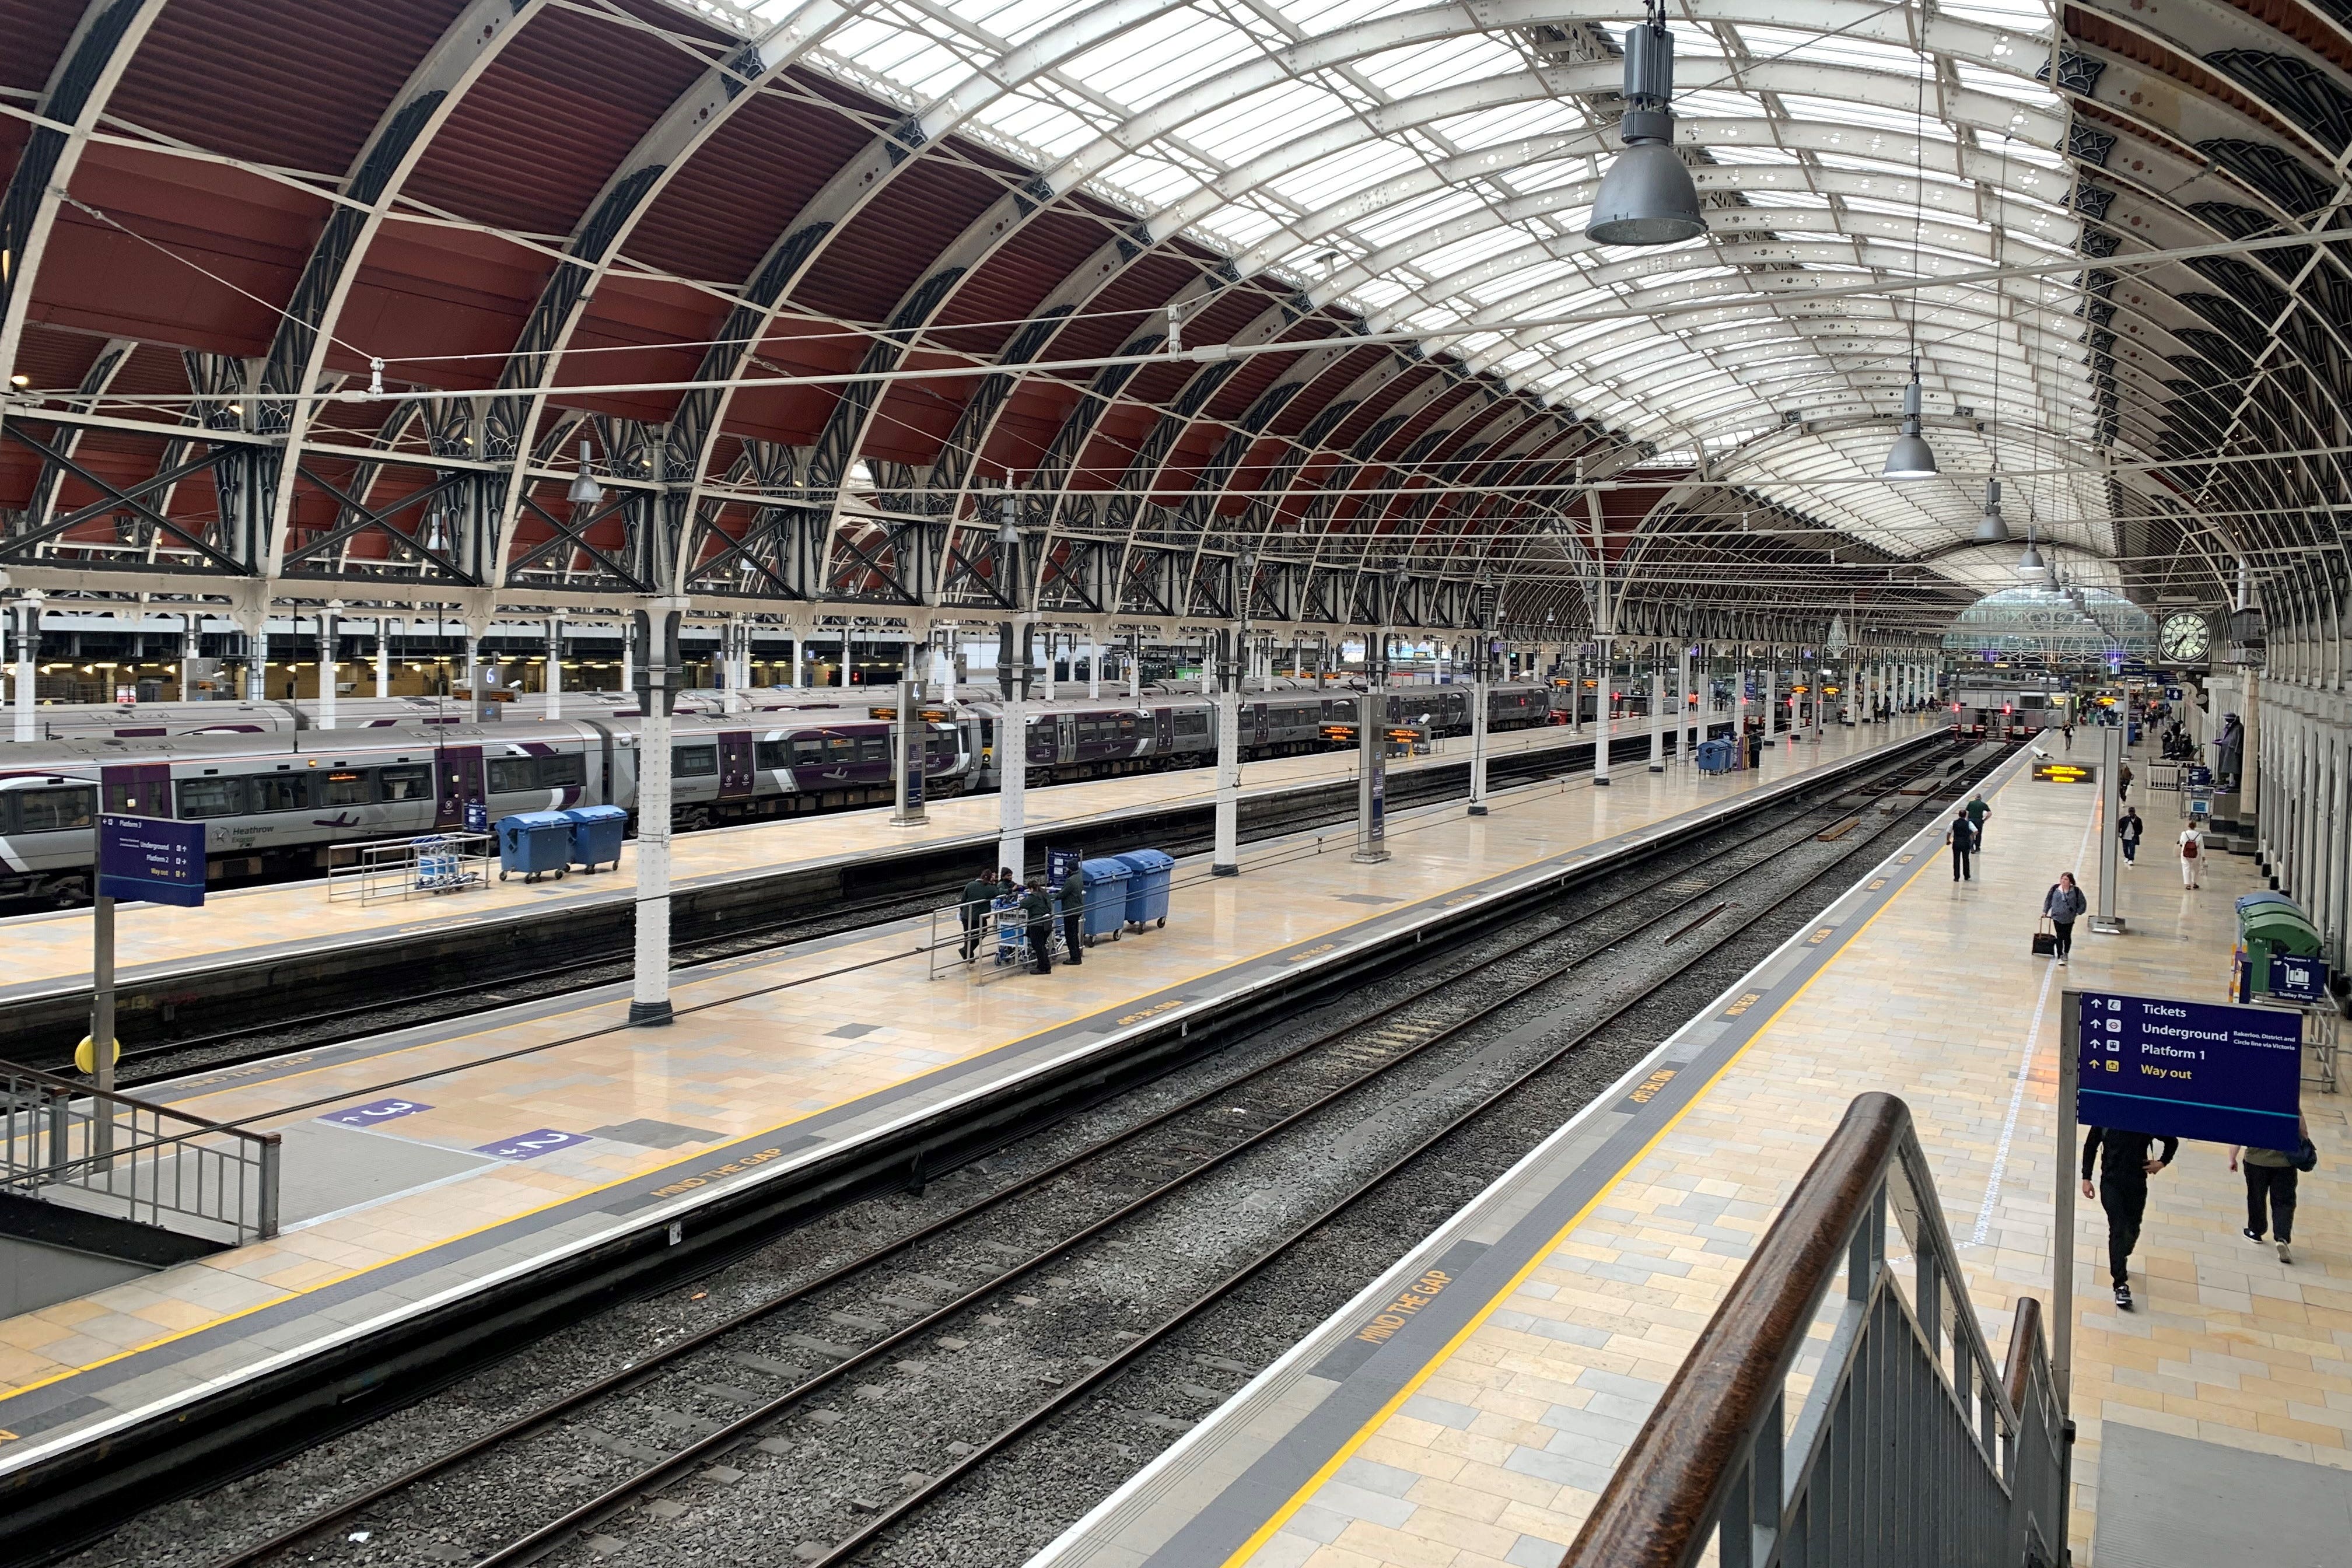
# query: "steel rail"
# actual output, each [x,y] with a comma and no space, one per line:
[669,1354]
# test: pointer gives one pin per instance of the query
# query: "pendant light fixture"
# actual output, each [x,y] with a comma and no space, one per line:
[2031,565]
[585,490]
[1647,197]
[1911,457]
[1992,530]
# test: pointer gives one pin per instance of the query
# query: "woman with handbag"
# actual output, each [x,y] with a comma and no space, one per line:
[2062,906]
[2270,1184]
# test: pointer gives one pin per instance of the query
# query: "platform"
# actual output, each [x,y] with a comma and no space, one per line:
[1547,1317]
[774,1064]
[258,925]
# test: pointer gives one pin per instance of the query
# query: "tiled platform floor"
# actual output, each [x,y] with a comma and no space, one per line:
[44,949]
[771,1059]
[1496,1452]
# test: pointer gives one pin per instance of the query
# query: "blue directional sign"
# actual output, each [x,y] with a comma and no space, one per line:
[151,859]
[2295,979]
[2189,1070]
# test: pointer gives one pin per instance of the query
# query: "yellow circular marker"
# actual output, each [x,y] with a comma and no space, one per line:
[86,1054]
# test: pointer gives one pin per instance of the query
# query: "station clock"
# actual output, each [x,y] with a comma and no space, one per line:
[2186,637]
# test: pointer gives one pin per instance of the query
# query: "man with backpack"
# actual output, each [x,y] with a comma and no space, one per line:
[2191,851]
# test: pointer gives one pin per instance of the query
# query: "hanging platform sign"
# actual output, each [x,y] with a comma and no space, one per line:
[2189,1069]
[151,859]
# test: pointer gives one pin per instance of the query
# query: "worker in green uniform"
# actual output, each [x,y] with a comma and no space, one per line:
[973,905]
[1074,911]
[1977,811]
[1037,919]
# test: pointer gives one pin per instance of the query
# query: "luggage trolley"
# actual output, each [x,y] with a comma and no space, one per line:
[1012,926]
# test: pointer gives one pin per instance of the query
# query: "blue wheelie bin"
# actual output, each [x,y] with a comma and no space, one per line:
[1150,874]
[534,843]
[1107,882]
[596,833]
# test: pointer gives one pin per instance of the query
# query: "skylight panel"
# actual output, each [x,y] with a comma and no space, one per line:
[1264,122]
[1160,57]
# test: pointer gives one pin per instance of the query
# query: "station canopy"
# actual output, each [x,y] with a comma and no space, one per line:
[1284,305]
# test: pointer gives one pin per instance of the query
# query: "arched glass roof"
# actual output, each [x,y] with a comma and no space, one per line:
[2077,625]
[1432,166]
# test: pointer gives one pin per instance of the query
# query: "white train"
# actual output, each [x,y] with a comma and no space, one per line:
[279,801]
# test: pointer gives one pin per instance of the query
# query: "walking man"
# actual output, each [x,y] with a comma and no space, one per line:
[973,905]
[1978,812]
[2124,783]
[2064,905]
[2270,1184]
[1038,921]
[1962,837]
[2128,832]
[2125,1166]
[2191,853]
[1074,910]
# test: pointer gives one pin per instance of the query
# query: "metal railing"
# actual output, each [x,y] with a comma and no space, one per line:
[131,1159]
[1909,1446]
[413,868]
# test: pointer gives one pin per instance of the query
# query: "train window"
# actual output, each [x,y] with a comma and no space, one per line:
[1126,726]
[1089,729]
[775,753]
[211,797]
[565,770]
[808,751]
[347,789]
[412,783]
[694,761]
[280,791]
[874,748]
[1192,723]
[147,797]
[55,810]
[509,775]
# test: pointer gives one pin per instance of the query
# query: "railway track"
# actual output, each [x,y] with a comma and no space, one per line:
[611,965]
[985,1262]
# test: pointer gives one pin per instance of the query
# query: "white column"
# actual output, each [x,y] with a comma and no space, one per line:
[1094,664]
[1771,673]
[1371,754]
[649,1003]
[1739,703]
[1602,731]
[628,659]
[383,654]
[257,661]
[1657,709]
[1048,674]
[330,666]
[1135,667]
[1012,783]
[1226,860]
[474,675]
[555,682]
[1478,701]
[943,676]
[799,654]
[28,637]
[189,646]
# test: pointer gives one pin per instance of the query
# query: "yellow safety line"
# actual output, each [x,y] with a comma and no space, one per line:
[1428,1369]
[590,1192]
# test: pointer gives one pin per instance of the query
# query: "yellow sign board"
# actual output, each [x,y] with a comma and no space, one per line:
[2064,773]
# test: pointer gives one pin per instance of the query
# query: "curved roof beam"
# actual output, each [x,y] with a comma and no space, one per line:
[79,87]
[306,326]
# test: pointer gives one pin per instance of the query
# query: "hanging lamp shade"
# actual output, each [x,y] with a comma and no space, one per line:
[1910,457]
[585,490]
[2031,563]
[1647,197]
[1992,530]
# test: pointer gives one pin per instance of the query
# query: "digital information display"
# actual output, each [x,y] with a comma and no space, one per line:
[151,859]
[2189,1069]
[2064,773]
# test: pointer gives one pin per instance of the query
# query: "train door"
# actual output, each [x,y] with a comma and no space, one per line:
[1163,730]
[736,772]
[142,789]
[1066,738]
[458,775]
[1258,725]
